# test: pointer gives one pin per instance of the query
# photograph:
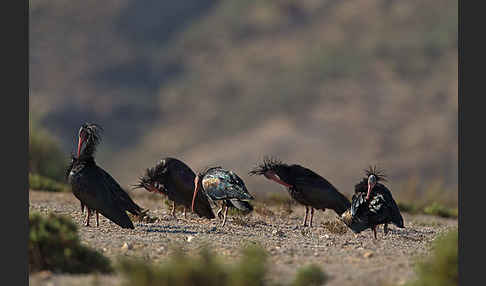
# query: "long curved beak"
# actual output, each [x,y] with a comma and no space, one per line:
[80,144]
[196,189]
[277,179]
[370,187]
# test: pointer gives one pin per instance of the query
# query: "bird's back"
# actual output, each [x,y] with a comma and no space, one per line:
[316,191]
[96,189]
[180,185]
[221,184]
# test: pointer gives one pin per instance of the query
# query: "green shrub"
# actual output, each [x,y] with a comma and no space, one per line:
[251,269]
[408,208]
[54,245]
[311,275]
[45,155]
[440,210]
[41,183]
[441,268]
[206,269]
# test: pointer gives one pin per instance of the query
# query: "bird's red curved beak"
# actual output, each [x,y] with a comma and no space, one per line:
[80,144]
[274,177]
[370,187]
[196,188]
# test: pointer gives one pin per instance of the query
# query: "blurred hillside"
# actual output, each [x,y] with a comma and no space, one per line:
[332,85]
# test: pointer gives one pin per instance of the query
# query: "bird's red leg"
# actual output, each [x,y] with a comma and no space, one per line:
[312,216]
[97,219]
[225,213]
[219,211]
[173,209]
[88,214]
[374,231]
[305,217]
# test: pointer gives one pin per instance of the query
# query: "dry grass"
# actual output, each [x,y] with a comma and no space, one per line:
[335,226]
[263,210]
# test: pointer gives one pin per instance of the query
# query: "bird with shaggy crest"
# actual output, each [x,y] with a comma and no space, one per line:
[304,185]
[94,187]
[173,178]
[372,204]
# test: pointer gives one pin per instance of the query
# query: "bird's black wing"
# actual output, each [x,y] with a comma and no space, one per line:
[91,188]
[395,215]
[244,206]
[119,195]
[319,193]
[221,184]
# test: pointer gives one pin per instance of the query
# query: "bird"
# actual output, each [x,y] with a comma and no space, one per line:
[97,190]
[219,184]
[304,186]
[68,170]
[372,205]
[174,178]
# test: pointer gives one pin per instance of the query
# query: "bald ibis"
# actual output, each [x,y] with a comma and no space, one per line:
[94,187]
[304,186]
[219,184]
[372,204]
[173,178]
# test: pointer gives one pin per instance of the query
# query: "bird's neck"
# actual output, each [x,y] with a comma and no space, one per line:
[86,159]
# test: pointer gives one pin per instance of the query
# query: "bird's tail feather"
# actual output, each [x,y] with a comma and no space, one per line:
[356,224]
[241,205]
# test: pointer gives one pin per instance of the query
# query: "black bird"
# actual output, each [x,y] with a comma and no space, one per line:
[94,187]
[173,178]
[220,184]
[372,204]
[304,186]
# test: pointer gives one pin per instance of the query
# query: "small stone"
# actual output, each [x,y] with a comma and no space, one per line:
[189,238]
[368,254]
[160,250]
[126,246]
[326,236]
[104,249]
[278,232]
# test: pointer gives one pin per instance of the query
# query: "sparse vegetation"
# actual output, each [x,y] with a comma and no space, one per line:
[310,275]
[433,199]
[207,269]
[441,268]
[45,155]
[335,226]
[54,245]
[263,210]
[41,183]
[440,210]
[432,209]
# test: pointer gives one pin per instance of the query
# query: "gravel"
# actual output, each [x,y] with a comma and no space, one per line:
[348,259]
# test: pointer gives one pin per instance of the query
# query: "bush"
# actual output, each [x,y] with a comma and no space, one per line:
[45,155]
[440,210]
[54,245]
[206,269]
[441,268]
[431,209]
[251,269]
[40,183]
[311,275]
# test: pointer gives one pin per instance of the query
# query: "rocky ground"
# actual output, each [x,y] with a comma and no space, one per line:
[347,258]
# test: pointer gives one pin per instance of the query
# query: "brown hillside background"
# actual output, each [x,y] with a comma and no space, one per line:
[332,85]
